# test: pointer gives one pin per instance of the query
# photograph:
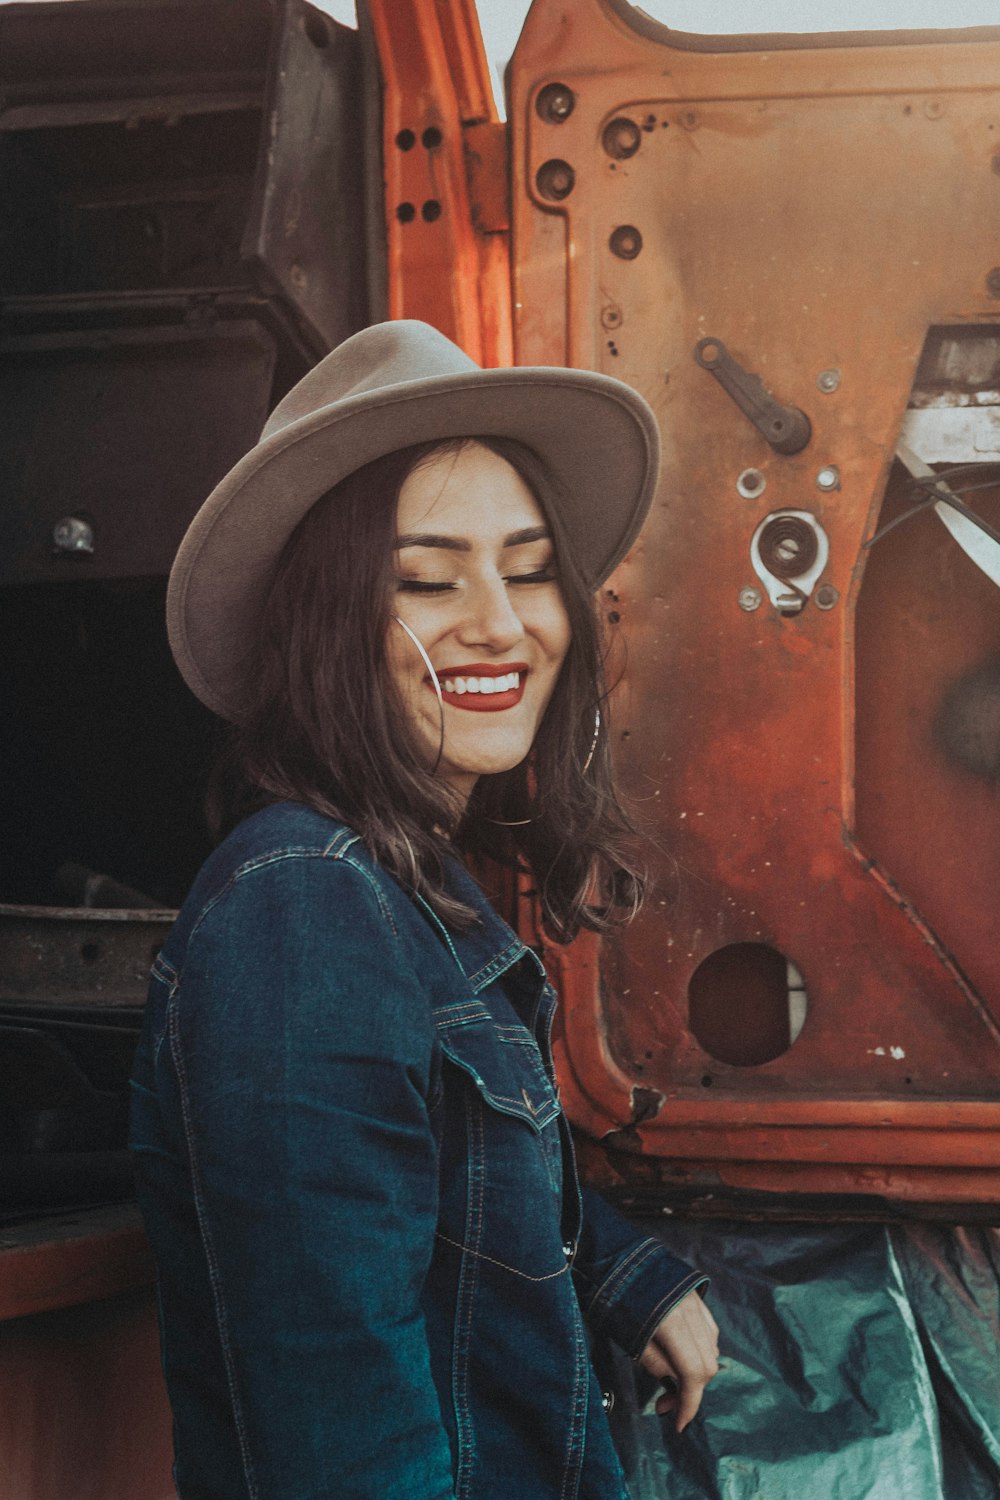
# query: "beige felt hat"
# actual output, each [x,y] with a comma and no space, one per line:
[388,387]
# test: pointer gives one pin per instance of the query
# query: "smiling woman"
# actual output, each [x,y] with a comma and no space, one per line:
[377,1269]
[480,592]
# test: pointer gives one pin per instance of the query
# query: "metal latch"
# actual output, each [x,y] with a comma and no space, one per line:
[786,428]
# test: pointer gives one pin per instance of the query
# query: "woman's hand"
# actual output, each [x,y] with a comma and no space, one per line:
[684,1348]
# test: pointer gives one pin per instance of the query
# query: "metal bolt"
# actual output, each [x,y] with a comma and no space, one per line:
[828,381]
[751,484]
[828,478]
[826,597]
[555,103]
[555,180]
[993,282]
[626,242]
[73,535]
[611,316]
[750,599]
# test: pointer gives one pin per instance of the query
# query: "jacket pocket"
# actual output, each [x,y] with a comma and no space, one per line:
[506,1067]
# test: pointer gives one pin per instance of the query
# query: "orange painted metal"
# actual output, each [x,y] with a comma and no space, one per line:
[818,205]
[86,1256]
[444,158]
[85,1412]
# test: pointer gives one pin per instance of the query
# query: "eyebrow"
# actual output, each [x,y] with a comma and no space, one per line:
[457,544]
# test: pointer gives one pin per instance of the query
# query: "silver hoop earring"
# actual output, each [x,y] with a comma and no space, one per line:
[434,679]
[593,743]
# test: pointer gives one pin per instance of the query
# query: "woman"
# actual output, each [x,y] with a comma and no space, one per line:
[374,1265]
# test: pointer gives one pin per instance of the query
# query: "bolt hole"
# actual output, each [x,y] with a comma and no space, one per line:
[431,210]
[614,616]
[431,137]
[90,952]
[707,1080]
[406,140]
[907,1079]
[406,213]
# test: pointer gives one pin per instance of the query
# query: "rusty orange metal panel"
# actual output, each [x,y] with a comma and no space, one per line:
[84,1404]
[445,175]
[824,846]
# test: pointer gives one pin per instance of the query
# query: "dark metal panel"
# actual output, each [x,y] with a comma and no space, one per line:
[126,430]
[306,227]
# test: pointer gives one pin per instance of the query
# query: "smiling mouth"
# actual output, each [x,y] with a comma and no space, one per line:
[481,689]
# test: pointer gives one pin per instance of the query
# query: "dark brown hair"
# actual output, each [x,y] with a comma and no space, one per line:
[326,727]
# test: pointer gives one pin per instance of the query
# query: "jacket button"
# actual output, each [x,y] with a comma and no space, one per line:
[608,1400]
[569,1249]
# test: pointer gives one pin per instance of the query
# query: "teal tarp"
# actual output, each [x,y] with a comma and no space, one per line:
[861,1362]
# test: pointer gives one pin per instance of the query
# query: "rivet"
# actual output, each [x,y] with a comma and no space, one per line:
[750,599]
[828,381]
[611,316]
[626,242]
[751,484]
[555,103]
[555,180]
[828,478]
[827,596]
[73,535]
[622,138]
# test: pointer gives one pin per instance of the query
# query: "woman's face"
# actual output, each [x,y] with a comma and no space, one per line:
[476,568]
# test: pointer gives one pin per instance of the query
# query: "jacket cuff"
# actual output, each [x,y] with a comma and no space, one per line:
[638,1293]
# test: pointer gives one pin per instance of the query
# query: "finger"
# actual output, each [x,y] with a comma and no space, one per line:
[665,1404]
[689,1400]
[656,1363]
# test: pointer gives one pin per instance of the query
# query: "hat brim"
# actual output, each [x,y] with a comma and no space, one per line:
[596,435]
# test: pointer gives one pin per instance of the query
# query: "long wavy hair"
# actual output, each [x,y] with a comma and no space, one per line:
[325,725]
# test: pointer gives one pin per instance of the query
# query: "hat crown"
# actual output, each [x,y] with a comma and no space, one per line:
[383,357]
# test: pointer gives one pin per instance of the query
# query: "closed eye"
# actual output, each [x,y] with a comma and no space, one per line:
[541,575]
[422,586]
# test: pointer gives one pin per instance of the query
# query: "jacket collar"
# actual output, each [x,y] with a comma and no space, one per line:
[488,949]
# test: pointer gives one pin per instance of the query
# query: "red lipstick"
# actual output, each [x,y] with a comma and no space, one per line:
[472,698]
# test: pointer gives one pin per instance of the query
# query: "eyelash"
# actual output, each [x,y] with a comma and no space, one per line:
[420,586]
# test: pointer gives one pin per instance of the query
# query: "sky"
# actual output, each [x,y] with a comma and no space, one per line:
[501,19]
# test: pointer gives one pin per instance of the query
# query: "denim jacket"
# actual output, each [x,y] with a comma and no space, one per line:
[376,1266]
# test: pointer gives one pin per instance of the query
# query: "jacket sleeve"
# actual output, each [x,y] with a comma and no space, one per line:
[626,1283]
[304,1053]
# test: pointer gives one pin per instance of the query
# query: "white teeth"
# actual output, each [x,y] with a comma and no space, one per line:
[459,685]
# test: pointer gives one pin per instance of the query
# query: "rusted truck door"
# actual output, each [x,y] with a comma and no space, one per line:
[790,245]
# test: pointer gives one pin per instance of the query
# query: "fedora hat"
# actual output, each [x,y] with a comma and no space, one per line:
[388,387]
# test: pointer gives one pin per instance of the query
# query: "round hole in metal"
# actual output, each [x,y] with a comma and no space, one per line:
[746,1004]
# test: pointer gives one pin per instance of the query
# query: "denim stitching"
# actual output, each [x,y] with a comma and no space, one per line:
[551,1276]
[162,968]
[215,1279]
[467,1281]
[667,1304]
[576,1437]
[619,1278]
[276,856]
[497,965]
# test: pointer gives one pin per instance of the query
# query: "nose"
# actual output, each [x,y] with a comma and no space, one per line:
[490,618]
